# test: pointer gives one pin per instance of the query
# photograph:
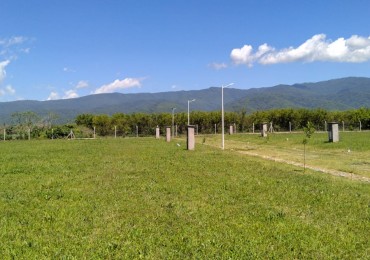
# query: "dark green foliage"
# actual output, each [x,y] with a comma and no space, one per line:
[125,124]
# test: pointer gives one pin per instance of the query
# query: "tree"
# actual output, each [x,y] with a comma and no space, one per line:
[102,124]
[85,120]
[308,132]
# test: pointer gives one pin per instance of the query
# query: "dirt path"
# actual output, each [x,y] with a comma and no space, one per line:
[314,168]
[347,175]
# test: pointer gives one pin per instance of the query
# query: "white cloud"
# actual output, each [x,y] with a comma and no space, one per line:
[8,90]
[53,96]
[70,94]
[217,66]
[66,69]
[3,64]
[11,47]
[119,84]
[354,49]
[15,40]
[82,84]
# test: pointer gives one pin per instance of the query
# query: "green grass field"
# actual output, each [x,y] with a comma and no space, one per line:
[351,154]
[145,198]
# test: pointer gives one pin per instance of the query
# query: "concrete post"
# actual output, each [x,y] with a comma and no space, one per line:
[333,132]
[157,132]
[264,129]
[190,137]
[343,125]
[290,127]
[231,130]
[168,134]
[253,128]
[215,128]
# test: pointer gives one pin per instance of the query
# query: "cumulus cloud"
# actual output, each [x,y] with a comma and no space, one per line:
[82,84]
[70,94]
[3,64]
[53,96]
[8,90]
[217,66]
[318,48]
[119,84]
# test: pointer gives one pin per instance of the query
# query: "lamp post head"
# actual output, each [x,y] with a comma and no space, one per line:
[228,85]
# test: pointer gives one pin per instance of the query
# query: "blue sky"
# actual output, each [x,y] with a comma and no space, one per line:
[52,49]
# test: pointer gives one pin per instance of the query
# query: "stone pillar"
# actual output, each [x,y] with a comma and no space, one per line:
[191,137]
[157,132]
[168,134]
[333,132]
[231,130]
[264,129]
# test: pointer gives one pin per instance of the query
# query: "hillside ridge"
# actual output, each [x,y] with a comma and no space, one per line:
[335,94]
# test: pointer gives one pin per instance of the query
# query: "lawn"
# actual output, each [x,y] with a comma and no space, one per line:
[351,154]
[144,198]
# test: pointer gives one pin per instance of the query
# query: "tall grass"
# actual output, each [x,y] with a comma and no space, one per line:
[145,198]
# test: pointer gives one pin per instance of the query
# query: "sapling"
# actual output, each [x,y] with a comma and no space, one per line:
[308,131]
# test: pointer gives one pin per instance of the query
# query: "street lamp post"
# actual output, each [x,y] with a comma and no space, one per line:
[173,122]
[189,110]
[222,113]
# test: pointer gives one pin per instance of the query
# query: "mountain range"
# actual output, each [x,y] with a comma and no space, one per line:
[336,94]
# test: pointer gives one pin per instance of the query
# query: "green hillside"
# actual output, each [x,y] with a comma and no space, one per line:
[337,94]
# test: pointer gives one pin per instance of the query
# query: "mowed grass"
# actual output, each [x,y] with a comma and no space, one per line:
[145,198]
[351,154]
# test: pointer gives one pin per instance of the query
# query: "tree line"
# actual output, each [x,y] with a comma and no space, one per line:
[144,124]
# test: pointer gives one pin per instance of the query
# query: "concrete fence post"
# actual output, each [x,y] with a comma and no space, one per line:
[333,132]
[157,132]
[264,129]
[190,137]
[168,134]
